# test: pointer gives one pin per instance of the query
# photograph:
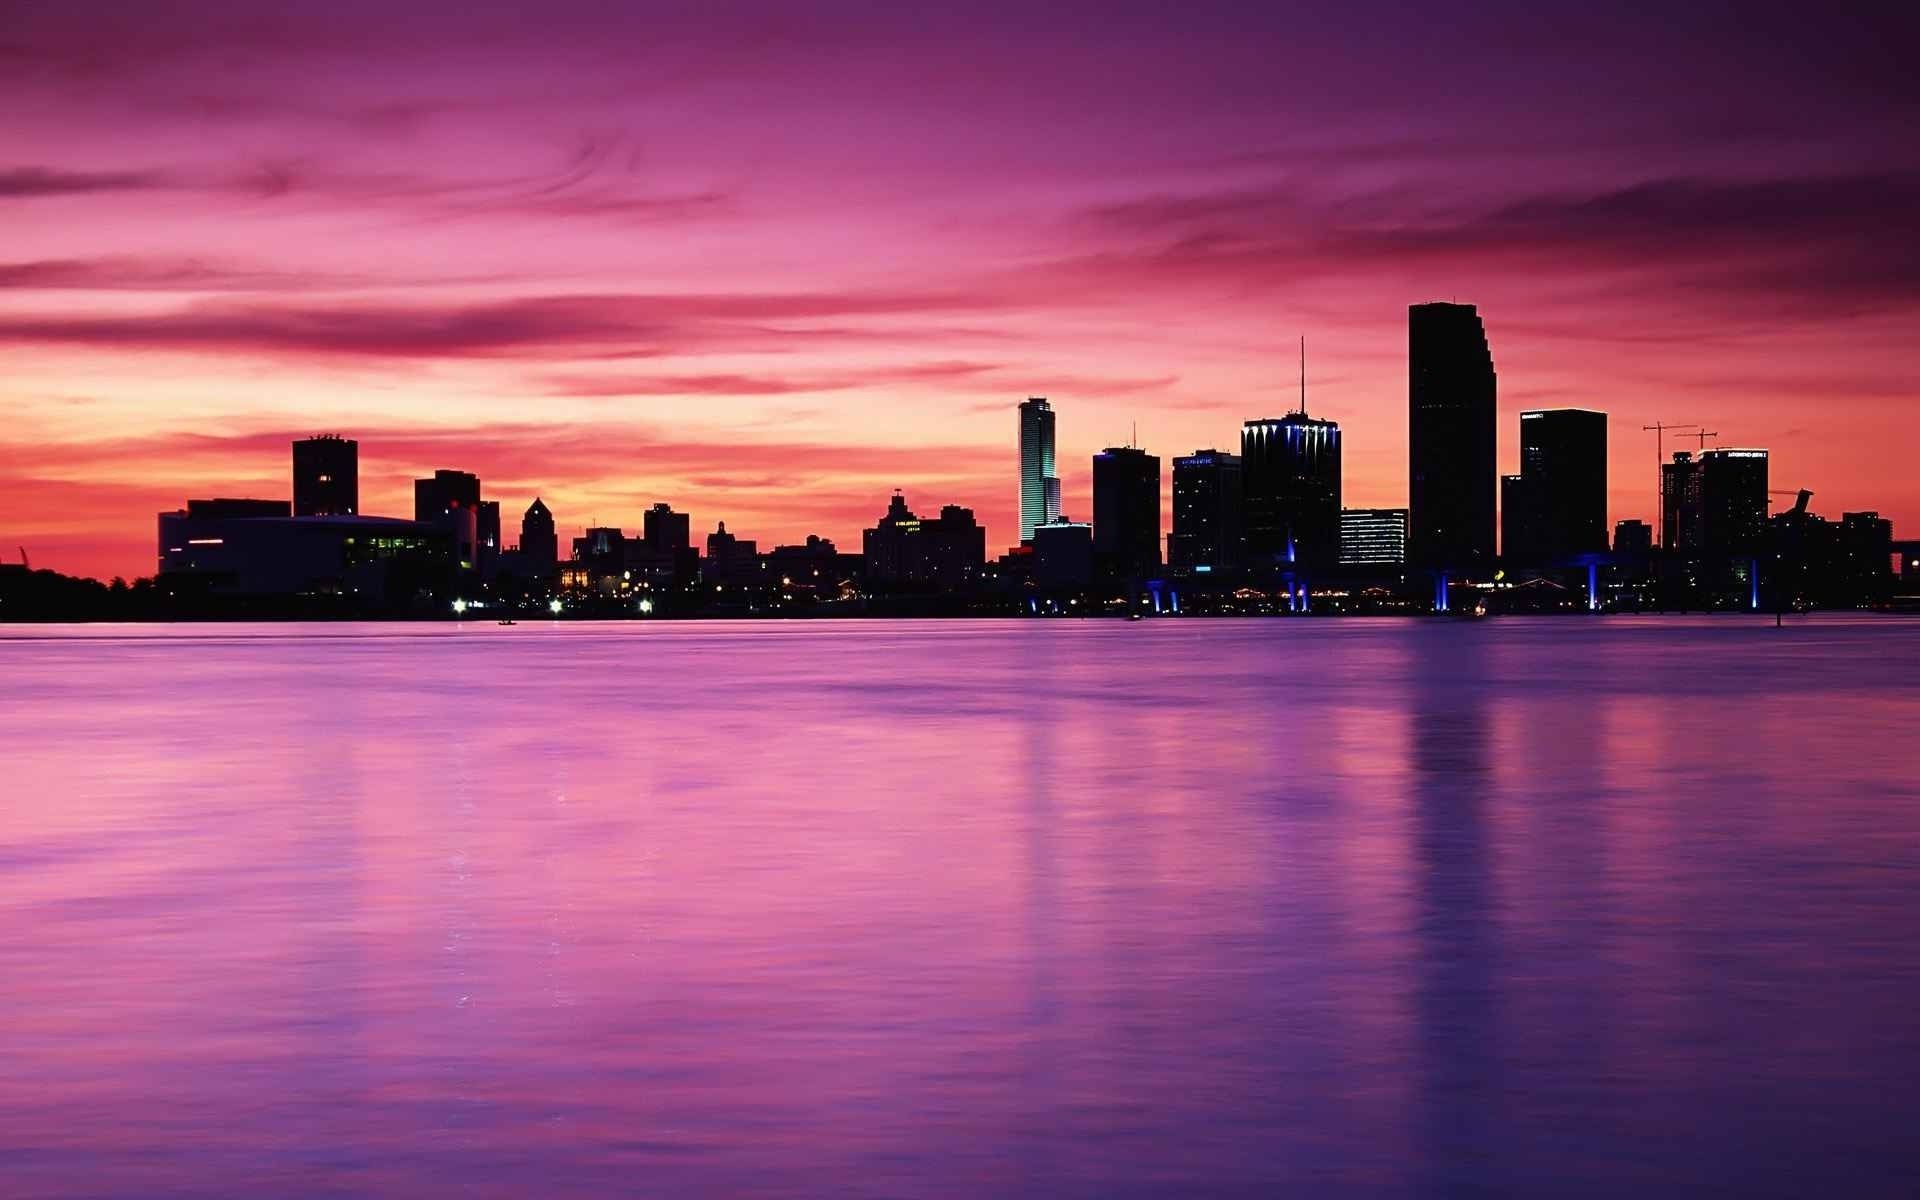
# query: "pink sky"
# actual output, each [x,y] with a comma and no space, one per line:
[768,264]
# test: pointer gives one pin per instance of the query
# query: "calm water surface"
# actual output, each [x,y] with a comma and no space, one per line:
[1347,908]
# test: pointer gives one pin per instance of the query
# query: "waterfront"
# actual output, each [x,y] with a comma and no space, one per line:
[1369,907]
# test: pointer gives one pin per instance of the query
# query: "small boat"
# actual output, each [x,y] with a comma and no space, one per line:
[508,621]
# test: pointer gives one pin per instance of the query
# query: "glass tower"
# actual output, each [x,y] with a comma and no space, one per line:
[1039,486]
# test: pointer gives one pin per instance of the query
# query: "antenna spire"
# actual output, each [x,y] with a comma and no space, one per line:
[1303,374]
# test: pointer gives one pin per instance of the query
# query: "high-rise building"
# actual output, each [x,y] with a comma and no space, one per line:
[326,476]
[1063,555]
[1556,507]
[451,501]
[1715,503]
[1126,511]
[730,558]
[539,539]
[947,553]
[445,490]
[1206,512]
[666,531]
[1632,541]
[1373,537]
[1290,479]
[1039,485]
[1451,438]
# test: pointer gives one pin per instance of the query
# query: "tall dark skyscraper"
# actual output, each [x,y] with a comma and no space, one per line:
[1290,470]
[1556,507]
[666,531]
[1451,438]
[326,476]
[1715,504]
[539,540]
[1039,485]
[1206,512]
[1126,511]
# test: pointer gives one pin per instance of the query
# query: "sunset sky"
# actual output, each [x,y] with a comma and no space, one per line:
[768,263]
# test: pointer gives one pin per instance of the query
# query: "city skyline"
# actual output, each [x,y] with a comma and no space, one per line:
[577,260]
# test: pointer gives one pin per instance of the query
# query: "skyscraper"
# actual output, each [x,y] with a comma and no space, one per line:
[1290,475]
[1039,486]
[1451,438]
[1126,511]
[539,540]
[451,501]
[1556,507]
[326,476]
[1716,503]
[1206,512]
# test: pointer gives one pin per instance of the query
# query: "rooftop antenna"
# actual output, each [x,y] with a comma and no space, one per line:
[1133,438]
[1303,374]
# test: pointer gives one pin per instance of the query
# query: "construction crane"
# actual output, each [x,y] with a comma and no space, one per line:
[1659,431]
[1703,435]
[1801,496]
[23,559]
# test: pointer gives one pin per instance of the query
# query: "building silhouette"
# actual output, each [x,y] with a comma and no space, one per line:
[730,559]
[947,553]
[451,501]
[539,539]
[1290,480]
[1126,512]
[1633,541]
[1715,502]
[1373,537]
[1039,484]
[1451,438]
[326,476]
[1206,512]
[665,531]
[1063,556]
[1556,507]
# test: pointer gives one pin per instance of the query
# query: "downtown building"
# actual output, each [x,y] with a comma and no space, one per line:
[1039,482]
[947,553]
[1452,439]
[1126,512]
[1206,533]
[1714,503]
[1373,537]
[451,499]
[1555,509]
[326,476]
[1290,486]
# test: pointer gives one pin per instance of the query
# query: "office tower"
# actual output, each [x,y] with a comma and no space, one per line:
[947,553]
[1373,537]
[326,476]
[1556,507]
[447,489]
[1290,481]
[1633,541]
[1715,503]
[1039,486]
[451,501]
[1206,512]
[730,558]
[1126,511]
[539,539]
[1451,438]
[666,531]
[1063,555]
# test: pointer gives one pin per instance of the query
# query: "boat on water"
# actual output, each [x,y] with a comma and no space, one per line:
[508,621]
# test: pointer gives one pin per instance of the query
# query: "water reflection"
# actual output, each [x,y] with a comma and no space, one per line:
[1062,910]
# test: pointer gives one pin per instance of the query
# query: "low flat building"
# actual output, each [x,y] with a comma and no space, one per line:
[230,547]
